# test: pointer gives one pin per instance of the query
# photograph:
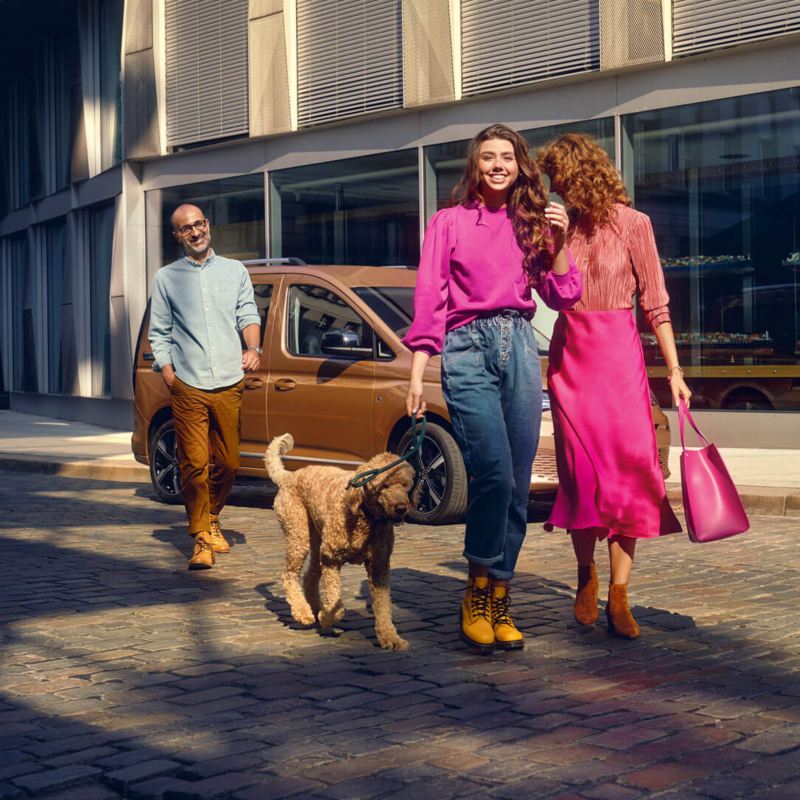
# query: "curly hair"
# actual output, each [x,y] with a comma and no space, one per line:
[582,173]
[526,200]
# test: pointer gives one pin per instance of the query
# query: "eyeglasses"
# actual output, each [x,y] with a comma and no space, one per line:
[187,230]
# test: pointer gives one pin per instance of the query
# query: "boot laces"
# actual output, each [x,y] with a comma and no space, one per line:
[201,543]
[480,602]
[216,528]
[500,612]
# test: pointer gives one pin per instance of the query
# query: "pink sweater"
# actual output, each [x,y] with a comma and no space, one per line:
[471,264]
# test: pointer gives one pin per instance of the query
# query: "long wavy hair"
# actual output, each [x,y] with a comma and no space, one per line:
[526,202]
[582,173]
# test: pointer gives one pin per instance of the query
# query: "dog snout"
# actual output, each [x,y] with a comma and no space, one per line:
[401,509]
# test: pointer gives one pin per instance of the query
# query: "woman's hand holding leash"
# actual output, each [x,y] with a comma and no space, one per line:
[415,405]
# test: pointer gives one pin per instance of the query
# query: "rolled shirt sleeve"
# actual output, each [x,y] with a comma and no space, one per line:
[427,332]
[561,292]
[161,324]
[246,309]
[653,296]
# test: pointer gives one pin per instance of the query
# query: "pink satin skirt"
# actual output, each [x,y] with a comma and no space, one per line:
[610,482]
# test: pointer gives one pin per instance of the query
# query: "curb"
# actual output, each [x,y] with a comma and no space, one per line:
[770,500]
[98,470]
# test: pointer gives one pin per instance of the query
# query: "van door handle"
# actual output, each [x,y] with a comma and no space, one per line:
[253,383]
[285,385]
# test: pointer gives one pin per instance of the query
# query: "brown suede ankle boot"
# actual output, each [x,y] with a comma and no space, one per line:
[620,620]
[586,612]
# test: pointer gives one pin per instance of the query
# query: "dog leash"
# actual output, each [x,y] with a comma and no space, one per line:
[363,478]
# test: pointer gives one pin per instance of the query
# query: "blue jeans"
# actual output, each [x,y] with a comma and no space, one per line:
[492,384]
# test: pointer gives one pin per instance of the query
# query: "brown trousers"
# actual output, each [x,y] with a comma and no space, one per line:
[207,427]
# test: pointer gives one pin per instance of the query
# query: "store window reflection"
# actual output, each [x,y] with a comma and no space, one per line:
[444,163]
[721,183]
[235,207]
[354,211]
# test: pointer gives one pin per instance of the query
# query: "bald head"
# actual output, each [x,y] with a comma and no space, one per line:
[192,231]
[180,214]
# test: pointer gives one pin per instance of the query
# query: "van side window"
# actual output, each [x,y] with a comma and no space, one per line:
[313,311]
[263,297]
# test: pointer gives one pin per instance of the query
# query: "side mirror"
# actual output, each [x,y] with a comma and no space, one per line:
[343,343]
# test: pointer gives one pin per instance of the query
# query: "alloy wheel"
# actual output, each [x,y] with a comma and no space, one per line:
[166,474]
[431,483]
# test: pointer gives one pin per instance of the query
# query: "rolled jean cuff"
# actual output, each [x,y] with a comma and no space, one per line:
[485,562]
[501,574]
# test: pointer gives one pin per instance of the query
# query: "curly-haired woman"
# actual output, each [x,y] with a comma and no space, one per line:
[473,305]
[610,483]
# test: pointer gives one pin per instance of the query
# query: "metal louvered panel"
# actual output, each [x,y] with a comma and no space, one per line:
[631,33]
[349,58]
[702,25]
[206,49]
[510,42]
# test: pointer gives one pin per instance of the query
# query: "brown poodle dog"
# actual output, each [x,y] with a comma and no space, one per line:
[338,524]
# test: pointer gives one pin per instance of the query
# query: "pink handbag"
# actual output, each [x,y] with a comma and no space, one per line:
[711,503]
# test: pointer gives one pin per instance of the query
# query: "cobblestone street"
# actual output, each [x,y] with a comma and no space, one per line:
[124,675]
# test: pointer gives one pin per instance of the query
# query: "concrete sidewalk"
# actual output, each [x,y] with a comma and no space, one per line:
[768,480]
[62,447]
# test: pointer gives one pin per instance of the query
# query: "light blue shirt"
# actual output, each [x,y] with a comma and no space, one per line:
[196,313]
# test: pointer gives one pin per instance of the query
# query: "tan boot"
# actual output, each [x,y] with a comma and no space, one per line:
[506,634]
[476,615]
[620,620]
[203,555]
[218,542]
[586,612]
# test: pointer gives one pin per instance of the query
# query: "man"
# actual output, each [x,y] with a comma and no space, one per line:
[200,304]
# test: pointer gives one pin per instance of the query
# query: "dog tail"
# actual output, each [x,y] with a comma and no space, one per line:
[272,459]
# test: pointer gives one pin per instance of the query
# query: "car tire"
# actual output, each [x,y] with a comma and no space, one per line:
[163,458]
[442,496]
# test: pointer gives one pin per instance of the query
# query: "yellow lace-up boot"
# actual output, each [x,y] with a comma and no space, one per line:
[506,634]
[203,555]
[218,541]
[476,615]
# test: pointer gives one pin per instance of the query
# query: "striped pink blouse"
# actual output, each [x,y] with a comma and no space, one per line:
[618,259]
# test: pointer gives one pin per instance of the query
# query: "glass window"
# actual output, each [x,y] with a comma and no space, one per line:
[67,102]
[263,298]
[100,231]
[353,211]
[445,162]
[234,206]
[393,304]
[721,183]
[313,311]
[110,38]
[57,315]
[24,317]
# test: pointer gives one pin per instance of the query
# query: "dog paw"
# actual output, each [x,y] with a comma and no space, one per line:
[303,616]
[395,643]
[328,617]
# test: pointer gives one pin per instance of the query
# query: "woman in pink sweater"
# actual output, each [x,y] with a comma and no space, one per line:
[473,305]
[610,483]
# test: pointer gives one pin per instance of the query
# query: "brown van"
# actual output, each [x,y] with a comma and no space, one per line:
[334,374]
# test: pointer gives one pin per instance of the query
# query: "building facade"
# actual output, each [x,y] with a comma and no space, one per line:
[331,130]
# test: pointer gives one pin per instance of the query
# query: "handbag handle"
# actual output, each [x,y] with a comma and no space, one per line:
[683,415]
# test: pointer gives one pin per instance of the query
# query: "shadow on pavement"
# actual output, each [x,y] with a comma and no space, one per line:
[185,686]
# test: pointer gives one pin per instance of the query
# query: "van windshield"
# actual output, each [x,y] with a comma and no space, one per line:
[393,304]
